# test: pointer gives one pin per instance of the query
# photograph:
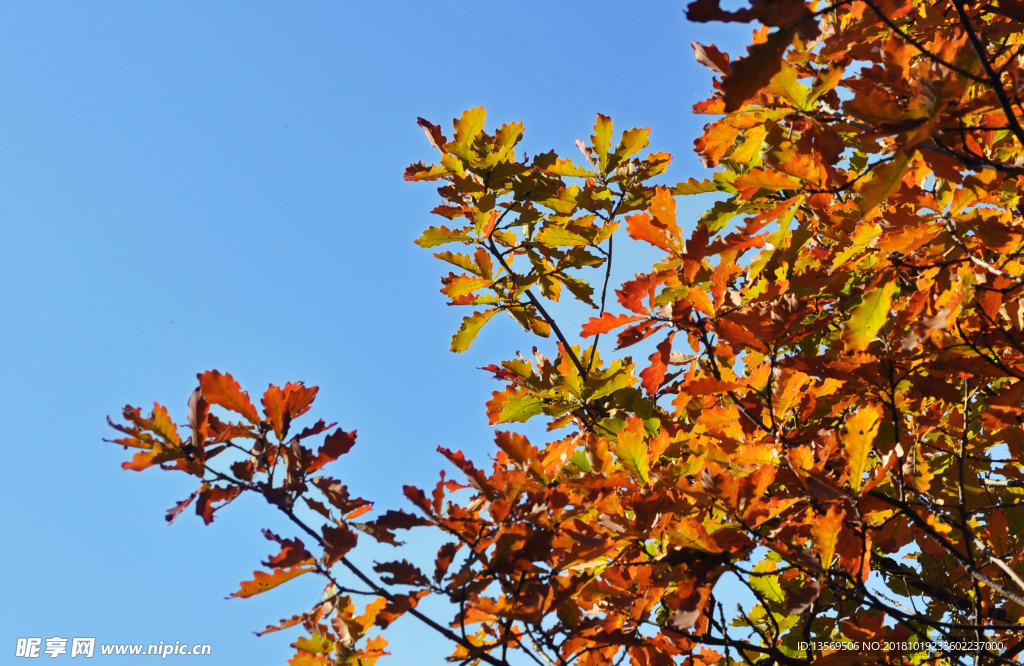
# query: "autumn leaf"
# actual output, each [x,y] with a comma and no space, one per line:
[401,573]
[293,552]
[602,140]
[632,451]
[441,235]
[652,377]
[176,510]
[469,125]
[861,429]
[606,322]
[514,405]
[209,496]
[263,581]
[469,329]
[868,317]
[825,534]
[711,57]
[433,132]
[223,390]
[884,181]
[336,444]
[755,71]
[338,541]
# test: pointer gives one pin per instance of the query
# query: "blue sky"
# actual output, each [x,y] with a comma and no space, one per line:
[187,186]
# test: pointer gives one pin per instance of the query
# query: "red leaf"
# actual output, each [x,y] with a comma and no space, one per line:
[315,429]
[337,494]
[223,390]
[417,497]
[275,411]
[754,72]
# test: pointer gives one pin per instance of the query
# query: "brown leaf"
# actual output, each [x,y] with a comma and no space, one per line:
[337,444]
[176,510]
[338,541]
[711,57]
[433,132]
[400,573]
[755,71]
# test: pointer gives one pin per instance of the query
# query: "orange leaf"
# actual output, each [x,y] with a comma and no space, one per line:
[825,533]
[652,377]
[263,581]
[222,389]
[607,322]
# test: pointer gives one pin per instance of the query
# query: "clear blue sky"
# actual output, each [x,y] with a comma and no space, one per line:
[187,186]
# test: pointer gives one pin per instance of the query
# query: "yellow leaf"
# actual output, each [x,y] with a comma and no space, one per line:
[861,428]
[632,451]
[868,316]
[469,125]
[602,139]
[471,325]
[786,84]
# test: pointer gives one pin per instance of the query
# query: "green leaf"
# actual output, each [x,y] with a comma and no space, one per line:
[715,219]
[513,405]
[580,462]
[469,329]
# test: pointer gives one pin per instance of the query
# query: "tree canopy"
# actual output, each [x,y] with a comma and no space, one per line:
[830,413]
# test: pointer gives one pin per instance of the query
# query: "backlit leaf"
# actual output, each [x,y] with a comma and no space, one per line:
[469,329]
[861,429]
[223,390]
[868,316]
[632,450]
[263,581]
[602,140]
